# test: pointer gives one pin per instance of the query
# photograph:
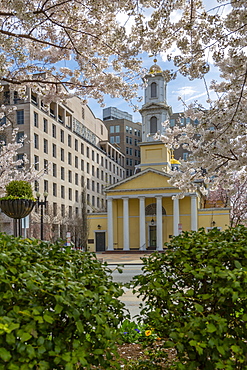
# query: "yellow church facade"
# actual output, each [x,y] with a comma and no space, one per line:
[144,210]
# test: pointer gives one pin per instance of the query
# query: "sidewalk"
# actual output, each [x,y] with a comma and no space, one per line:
[121,258]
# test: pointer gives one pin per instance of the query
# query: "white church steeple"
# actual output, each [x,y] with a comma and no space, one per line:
[155,109]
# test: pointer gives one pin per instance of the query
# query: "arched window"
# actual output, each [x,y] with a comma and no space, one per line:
[153,90]
[150,210]
[153,125]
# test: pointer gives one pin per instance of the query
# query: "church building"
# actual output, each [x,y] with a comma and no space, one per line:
[143,211]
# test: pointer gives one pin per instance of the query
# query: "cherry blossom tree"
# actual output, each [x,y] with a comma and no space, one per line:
[12,167]
[234,196]
[105,40]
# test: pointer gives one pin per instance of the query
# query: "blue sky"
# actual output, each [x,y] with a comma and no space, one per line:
[188,90]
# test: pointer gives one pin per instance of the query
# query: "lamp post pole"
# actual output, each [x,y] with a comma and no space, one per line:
[42,204]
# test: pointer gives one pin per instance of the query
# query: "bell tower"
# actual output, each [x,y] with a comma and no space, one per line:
[155,109]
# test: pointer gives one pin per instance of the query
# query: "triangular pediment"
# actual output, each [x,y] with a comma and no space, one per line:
[147,179]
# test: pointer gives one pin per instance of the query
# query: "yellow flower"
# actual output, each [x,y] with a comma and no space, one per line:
[148,332]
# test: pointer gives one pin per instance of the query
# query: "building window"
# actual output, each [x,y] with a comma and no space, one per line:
[92,155]
[127,150]
[76,196]
[54,131]
[20,117]
[76,162]
[54,170]
[117,139]
[127,128]
[36,119]
[88,168]
[88,184]
[36,141]
[98,158]
[82,164]
[62,173]
[70,211]
[45,125]
[69,140]
[76,178]
[93,200]
[87,151]
[46,186]
[82,181]
[106,163]
[130,130]
[185,156]
[82,148]
[97,173]
[62,192]
[93,185]
[111,129]
[54,209]
[45,165]
[130,151]
[54,189]
[112,139]
[70,194]
[69,158]
[54,150]
[127,139]
[45,146]
[62,136]
[102,161]
[70,176]
[153,125]
[117,128]
[92,170]
[153,90]
[36,162]
[63,210]
[19,136]
[62,154]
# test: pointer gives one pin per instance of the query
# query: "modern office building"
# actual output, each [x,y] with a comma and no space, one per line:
[72,145]
[125,135]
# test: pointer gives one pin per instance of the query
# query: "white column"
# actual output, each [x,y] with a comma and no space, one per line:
[110,224]
[193,213]
[175,216]
[142,229]
[159,234]
[126,245]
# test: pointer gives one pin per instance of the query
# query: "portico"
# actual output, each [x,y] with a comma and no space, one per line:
[145,218]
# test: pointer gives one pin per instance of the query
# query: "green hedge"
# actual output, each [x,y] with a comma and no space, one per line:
[195,297]
[59,308]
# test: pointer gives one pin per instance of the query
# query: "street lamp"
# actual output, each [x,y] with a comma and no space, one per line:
[42,204]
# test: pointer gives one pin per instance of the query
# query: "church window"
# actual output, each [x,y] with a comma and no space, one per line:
[153,125]
[153,90]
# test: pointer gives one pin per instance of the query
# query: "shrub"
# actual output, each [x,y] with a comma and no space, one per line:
[19,190]
[195,298]
[59,308]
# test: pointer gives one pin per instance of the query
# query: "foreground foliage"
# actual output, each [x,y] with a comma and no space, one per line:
[195,298]
[59,308]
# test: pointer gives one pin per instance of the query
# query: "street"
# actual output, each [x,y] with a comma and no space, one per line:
[130,300]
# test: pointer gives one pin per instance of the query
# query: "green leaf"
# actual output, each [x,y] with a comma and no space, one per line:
[48,318]
[4,354]
[211,328]
[25,337]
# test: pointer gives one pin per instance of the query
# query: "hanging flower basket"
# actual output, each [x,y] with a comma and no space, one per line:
[17,208]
